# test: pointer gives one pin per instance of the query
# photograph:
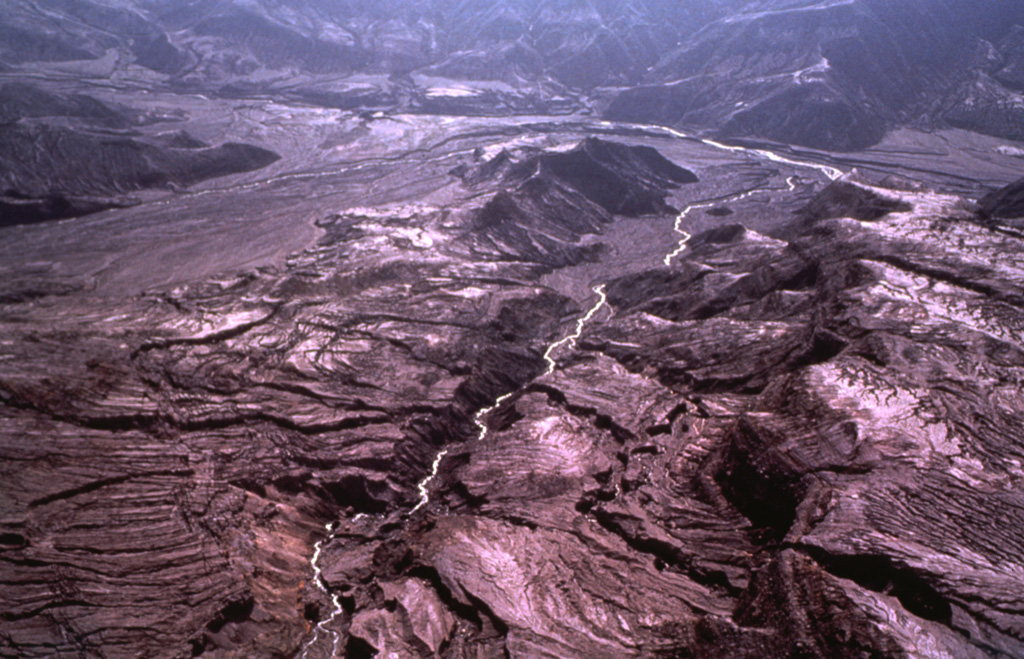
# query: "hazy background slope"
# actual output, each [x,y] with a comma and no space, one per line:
[828,74]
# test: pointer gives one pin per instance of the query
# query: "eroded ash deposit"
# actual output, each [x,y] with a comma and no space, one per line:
[774,447]
[511,328]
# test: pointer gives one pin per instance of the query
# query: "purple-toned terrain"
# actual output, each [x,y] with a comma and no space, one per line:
[509,329]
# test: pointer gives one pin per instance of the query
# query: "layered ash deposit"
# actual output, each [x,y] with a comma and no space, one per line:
[801,448]
[795,442]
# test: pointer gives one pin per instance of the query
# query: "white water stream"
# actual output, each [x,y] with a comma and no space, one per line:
[678,228]
[570,340]
[319,581]
[481,414]
[831,173]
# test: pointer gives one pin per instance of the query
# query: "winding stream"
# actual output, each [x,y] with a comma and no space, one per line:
[831,173]
[602,299]
[481,414]
[678,227]
[319,581]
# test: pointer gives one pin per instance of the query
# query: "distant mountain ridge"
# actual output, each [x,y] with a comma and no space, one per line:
[828,74]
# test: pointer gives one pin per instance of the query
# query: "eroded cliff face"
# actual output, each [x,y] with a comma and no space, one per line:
[796,444]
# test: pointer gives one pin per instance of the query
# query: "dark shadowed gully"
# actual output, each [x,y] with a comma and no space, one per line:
[338,329]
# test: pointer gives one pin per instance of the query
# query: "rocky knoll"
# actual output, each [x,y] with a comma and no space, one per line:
[550,201]
[802,444]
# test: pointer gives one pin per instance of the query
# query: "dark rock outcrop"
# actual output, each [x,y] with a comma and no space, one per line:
[16,208]
[621,179]
[558,198]
[41,159]
[51,172]
[1007,203]
[21,100]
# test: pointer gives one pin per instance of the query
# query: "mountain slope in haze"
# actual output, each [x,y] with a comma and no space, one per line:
[67,30]
[834,75]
